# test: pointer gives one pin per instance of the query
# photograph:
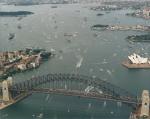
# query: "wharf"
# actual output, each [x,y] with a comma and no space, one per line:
[135,66]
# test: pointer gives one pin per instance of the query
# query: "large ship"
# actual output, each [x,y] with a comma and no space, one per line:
[136,61]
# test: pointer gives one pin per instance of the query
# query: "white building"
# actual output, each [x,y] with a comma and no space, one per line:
[146,12]
[136,59]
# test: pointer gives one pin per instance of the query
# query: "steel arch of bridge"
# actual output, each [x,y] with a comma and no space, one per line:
[62,84]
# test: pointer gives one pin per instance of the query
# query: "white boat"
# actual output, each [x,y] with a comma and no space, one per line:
[79,63]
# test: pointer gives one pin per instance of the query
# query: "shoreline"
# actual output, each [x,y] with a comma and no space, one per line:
[21,61]
[120,27]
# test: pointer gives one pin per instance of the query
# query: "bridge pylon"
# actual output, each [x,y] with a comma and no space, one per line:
[143,109]
[5,91]
[6,95]
[6,98]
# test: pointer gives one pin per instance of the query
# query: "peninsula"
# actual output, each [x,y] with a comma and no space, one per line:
[21,60]
[139,38]
[120,27]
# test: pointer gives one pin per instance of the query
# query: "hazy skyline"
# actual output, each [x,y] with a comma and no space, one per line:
[65,0]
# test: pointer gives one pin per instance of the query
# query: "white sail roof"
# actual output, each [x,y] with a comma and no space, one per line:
[137,59]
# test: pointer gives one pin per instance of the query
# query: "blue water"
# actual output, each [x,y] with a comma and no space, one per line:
[46,29]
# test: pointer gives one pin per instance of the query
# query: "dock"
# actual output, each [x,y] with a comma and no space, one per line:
[129,65]
[135,61]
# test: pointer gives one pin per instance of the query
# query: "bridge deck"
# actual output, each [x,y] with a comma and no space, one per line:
[72,85]
[92,95]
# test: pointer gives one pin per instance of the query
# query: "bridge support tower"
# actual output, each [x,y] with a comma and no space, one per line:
[5,91]
[6,98]
[143,109]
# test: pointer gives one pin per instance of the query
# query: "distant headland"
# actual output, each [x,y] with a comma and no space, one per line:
[15,13]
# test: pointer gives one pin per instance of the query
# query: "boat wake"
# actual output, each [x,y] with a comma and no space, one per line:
[79,63]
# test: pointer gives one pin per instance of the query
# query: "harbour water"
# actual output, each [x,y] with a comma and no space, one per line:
[101,51]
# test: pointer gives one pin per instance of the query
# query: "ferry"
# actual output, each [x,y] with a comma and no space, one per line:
[135,61]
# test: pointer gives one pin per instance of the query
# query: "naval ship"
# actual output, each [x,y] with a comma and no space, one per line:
[136,61]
